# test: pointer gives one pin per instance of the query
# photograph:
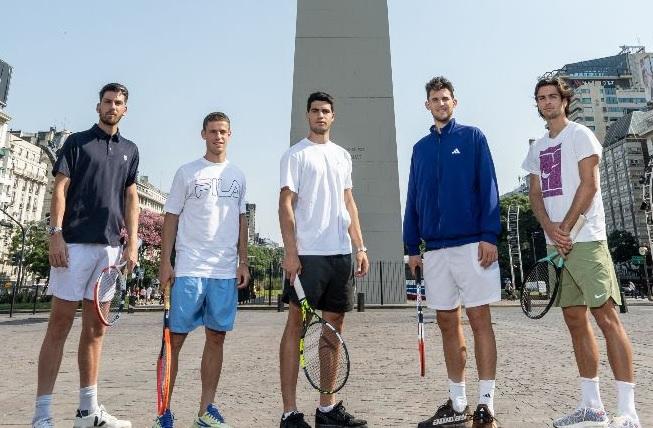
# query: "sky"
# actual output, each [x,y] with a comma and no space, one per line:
[181,60]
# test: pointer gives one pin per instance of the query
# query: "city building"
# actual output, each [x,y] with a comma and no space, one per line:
[250,212]
[150,197]
[626,153]
[608,88]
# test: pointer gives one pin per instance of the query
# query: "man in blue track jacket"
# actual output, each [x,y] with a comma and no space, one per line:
[453,206]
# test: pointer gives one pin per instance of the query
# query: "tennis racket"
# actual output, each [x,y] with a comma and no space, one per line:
[420,321]
[322,353]
[165,358]
[542,283]
[110,292]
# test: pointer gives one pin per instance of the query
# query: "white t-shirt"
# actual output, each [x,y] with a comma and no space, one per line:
[209,198]
[555,161]
[319,175]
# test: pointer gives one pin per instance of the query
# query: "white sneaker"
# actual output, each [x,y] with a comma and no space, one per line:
[43,423]
[624,422]
[100,418]
[583,418]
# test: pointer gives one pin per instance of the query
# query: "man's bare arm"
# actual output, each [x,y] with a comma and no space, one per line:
[287,224]
[588,169]
[356,235]
[168,235]
[58,251]
[132,210]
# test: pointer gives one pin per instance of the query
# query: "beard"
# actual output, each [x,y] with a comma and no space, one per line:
[443,117]
[550,115]
[110,120]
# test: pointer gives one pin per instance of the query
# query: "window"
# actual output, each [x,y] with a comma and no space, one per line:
[586,101]
[610,91]
[612,100]
[584,91]
[589,118]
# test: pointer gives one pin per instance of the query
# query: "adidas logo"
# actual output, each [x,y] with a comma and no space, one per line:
[487,395]
[455,151]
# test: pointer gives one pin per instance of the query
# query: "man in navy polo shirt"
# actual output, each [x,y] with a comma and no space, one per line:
[94,197]
[453,206]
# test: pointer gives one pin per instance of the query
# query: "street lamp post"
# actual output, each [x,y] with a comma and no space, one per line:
[537,232]
[19,277]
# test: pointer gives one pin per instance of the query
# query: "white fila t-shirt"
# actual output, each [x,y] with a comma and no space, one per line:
[209,198]
[555,161]
[319,175]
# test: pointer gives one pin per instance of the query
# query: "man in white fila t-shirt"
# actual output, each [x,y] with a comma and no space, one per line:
[205,221]
[564,183]
[319,223]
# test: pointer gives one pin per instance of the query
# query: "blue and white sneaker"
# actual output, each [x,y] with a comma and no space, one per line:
[99,418]
[210,419]
[43,423]
[583,417]
[166,420]
[624,422]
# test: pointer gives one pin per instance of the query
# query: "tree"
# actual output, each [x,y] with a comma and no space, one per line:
[622,245]
[35,259]
[530,233]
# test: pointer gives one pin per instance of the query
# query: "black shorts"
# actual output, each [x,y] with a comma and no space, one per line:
[326,281]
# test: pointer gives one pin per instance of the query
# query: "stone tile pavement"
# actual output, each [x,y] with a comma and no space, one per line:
[537,378]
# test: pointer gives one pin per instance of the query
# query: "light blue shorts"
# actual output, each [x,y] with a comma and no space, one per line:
[203,301]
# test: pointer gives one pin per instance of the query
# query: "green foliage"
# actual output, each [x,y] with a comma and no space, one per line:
[262,256]
[35,259]
[529,232]
[623,246]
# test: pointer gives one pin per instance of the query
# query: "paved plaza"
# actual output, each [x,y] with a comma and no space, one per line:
[537,378]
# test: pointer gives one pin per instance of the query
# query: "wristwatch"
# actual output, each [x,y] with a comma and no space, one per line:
[53,229]
[363,249]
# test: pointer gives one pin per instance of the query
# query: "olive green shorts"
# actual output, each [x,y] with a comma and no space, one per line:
[589,278]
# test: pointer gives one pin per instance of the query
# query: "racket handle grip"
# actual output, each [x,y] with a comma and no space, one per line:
[299,289]
[573,233]
[418,274]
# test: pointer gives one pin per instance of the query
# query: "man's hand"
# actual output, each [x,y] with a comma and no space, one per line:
[362,264]
[413,262]
[292,265]
[558,235]
[58,251]
[242,275]
[166,273]
[487,254]
[130,255]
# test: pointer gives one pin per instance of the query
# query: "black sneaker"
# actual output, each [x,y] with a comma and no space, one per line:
[446,416]
[483,418]
[336,418]
[294,420]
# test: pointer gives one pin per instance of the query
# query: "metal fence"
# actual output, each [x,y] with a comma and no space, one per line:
[384,284]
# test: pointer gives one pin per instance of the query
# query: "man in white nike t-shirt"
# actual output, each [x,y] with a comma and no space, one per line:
[564,184]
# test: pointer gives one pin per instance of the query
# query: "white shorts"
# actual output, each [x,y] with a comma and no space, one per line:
[85,263]
[454,275]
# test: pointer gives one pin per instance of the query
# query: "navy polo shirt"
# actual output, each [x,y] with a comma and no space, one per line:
[100,168]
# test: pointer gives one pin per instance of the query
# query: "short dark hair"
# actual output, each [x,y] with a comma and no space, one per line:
[114,87]
[438,83]
[565,91]
[216,116]
[319,96]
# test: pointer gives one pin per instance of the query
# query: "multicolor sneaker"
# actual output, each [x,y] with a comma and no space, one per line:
[446,416]
[336,418]
[210,419]
[483,418]
[43,423]
[294,420]
[624,422]
[166,420]
[99,418]
[583,417]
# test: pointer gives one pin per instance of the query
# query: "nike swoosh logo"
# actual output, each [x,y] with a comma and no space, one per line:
[598,296]
[546,176]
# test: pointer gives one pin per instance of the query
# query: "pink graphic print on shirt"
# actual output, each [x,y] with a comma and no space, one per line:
[551,171]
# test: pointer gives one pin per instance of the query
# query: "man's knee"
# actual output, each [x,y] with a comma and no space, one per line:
[177,341]
[448,321]
[61,319]
[480,318]
[607,318]
[575,317]
[215,337]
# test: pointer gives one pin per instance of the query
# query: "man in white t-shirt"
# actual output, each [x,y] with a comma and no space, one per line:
[564,183]
[205,221]
[319,223]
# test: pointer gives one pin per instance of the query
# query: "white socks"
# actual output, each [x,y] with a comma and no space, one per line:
[457,395]
[591,396]
[486,393]
[43,407]
[88,399]
[326,409]
[626,400]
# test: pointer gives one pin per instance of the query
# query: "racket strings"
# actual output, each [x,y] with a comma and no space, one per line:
[110,292]
[326,359]
[538,289]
